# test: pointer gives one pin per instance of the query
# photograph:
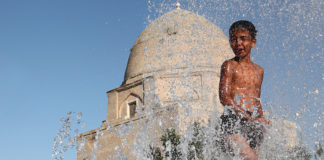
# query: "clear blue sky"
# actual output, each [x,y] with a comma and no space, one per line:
[59,56]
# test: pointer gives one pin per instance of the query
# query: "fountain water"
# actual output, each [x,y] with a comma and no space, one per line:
[289,48]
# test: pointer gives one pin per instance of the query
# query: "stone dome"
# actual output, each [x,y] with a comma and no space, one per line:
[177,40]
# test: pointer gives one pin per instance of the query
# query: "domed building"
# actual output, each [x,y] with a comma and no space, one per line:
[174,68]
[171,80]
[179,55]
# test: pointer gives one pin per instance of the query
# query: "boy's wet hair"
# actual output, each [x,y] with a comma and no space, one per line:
[243,24]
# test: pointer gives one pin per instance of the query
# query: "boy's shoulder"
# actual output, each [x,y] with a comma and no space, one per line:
[259,68]
[229,62]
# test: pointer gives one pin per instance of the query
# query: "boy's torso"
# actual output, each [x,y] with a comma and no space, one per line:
[246,84]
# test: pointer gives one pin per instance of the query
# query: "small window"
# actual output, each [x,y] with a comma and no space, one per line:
[132,109]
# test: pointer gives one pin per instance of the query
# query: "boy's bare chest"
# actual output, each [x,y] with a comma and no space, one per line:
[246,76]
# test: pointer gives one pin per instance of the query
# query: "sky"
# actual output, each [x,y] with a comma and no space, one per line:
[60,56]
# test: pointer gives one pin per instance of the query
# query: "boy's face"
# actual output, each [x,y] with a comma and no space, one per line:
[241,42]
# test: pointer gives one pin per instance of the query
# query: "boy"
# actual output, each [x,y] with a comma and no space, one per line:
[240,90]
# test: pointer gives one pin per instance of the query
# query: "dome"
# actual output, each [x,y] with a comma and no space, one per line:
[175,41]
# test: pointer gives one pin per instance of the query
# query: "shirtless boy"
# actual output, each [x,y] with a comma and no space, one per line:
[240,90]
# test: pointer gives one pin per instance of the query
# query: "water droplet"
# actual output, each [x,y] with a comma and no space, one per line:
[297,114]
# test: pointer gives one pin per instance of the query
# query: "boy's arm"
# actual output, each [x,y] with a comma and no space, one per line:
[260,111]
[225,85]
[260,117]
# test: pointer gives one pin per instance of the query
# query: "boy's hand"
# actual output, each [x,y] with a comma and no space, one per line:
[247,116]
[238,110]
[262,120]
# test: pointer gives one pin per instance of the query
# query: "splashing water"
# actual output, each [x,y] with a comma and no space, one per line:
[66,138]
[289,48]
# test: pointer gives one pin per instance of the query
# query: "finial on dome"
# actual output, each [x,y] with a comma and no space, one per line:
[178,5]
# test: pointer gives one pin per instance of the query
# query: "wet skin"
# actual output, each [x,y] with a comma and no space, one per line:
[241,79]
[240,87]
